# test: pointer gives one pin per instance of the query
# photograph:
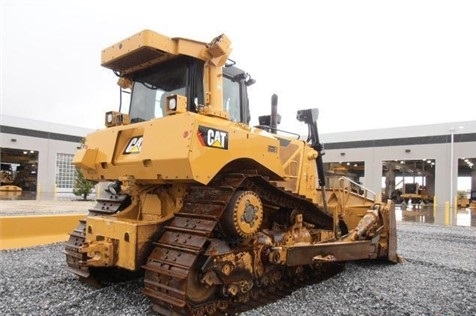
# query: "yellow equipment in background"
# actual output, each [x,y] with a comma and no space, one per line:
[213,210]
[6,181]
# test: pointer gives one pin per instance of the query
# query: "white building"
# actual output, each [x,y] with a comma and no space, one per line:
[451,147]
[40,152]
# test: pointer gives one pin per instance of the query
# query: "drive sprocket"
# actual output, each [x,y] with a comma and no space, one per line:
[243,216]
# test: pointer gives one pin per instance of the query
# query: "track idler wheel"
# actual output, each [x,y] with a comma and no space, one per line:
[243,216]
[197,292]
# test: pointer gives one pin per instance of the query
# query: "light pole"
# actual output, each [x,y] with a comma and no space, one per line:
[452,131]
[452,203]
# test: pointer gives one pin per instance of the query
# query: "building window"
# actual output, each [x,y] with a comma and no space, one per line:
[65,171]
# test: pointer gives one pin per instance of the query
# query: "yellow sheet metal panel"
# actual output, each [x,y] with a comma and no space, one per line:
[185,146]
[152,151]
[217,143]
[85,158]
[28,231]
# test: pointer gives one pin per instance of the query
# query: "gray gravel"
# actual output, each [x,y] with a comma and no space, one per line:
[437,278]
[33,207]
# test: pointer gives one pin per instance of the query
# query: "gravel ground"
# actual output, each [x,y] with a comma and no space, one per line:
[33,207]
[437,278]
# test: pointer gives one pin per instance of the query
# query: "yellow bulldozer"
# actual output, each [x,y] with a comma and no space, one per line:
[214,212]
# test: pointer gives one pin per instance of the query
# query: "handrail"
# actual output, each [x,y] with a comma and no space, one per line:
[363,191]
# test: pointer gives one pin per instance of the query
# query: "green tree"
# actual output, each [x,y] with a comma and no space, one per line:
[82,187]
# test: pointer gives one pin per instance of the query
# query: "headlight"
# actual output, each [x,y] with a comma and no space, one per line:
[113,118]
[172,104]
[109,118]
[176,104]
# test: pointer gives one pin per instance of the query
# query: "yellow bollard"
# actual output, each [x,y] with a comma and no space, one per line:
[447,213]
[454,210]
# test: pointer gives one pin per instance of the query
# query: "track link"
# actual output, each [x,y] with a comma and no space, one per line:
[171,270]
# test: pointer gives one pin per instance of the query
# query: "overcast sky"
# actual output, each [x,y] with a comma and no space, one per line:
[364,64]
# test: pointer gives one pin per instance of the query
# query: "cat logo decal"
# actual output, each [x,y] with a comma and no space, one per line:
[134,146]
[211,137]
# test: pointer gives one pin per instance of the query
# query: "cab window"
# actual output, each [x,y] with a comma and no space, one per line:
[231,99]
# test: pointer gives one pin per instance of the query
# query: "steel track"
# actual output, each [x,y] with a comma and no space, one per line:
[171,269]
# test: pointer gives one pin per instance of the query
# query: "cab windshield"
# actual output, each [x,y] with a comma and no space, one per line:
[183,76]
[152,87]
